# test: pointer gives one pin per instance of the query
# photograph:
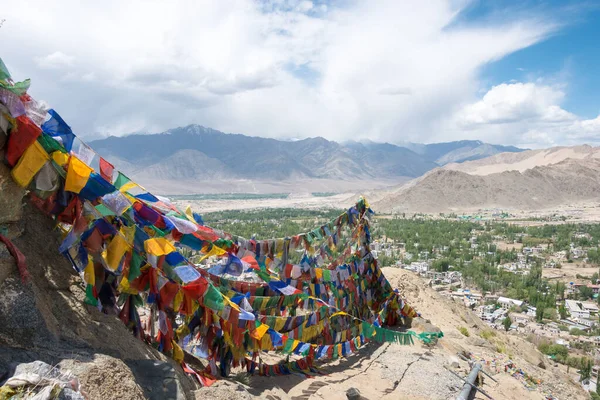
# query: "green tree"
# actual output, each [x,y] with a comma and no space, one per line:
[585,293]
[441,265]
[539,314]
[507,322]
[586,370]
[562,311]
[550,313]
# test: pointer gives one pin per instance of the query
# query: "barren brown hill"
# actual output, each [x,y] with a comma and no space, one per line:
[524,160]
[567,181]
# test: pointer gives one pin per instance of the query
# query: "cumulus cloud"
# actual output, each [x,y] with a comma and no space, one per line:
[507,103]
[279,68]
[55,60]
[526,114]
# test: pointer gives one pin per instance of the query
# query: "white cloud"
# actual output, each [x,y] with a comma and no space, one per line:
[507,103]
[393,72]
[526,114]
[55,60]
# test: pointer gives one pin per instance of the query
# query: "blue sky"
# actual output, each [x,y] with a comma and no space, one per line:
[509,72]
[569,55]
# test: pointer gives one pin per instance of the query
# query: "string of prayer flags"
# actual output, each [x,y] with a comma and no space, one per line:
[333,301]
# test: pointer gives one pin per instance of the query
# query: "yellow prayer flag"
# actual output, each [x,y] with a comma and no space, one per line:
[319,273]
[89,276]
[125,288]
[264,302]
[214,251]
[177,352]
[77,175]
[115,251]
[182,331]
[130,197]
[260,331]
[231,303]
[127,186]
[32,160]
[189,214]
[295,344]
[60,158]
[178,300]
[128,232]
[158,246]
[279,324]
[338,313]
[266,343]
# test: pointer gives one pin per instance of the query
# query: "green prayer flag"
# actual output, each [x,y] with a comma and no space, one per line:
[159,233]
[317,233]
[50,144]
[89,296]
[137,300]
[287,348]
[134,266]
[264,276]
[4,74]
[104,211]
[121,180]
[305,352]
[19,88]
[213,299]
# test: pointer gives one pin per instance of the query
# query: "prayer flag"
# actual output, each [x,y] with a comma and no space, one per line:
[57,127]
[115,251]
[77,175]
[28,166]
[158,246]
[106,169]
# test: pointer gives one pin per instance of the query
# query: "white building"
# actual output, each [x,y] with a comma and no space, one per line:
[584,321]
[577,310]
[507,303]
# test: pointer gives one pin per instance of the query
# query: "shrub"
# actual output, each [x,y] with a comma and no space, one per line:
[487,334]
[544,347]
[463,330]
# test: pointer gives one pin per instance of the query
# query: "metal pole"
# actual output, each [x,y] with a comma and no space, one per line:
[470,383]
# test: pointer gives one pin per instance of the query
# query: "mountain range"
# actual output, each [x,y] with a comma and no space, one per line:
[195,159]
[534,179]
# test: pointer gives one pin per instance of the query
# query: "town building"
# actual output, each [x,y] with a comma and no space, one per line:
[580,309]
[507,303]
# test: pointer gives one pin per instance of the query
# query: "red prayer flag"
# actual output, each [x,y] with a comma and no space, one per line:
[20,139]
[106,170]
[252,261]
